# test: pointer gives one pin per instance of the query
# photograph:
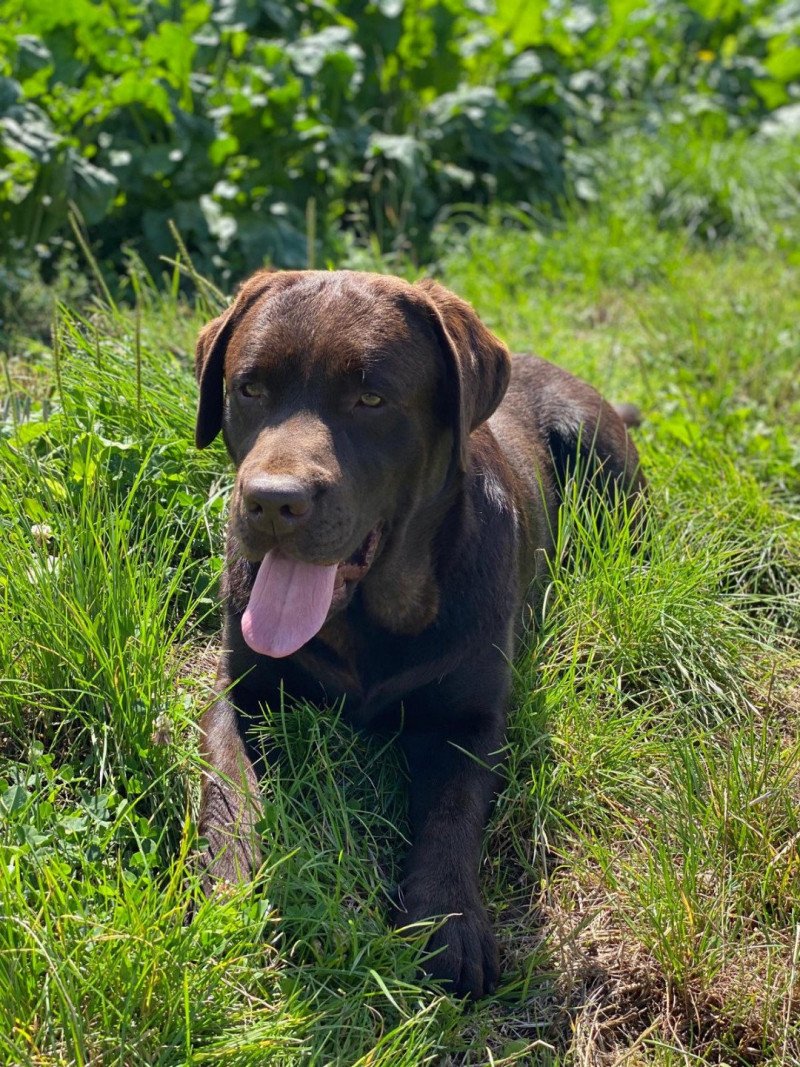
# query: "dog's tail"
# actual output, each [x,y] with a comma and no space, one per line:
[630,414]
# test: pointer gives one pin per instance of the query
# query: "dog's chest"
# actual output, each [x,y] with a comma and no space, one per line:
[333,658]
[347,660]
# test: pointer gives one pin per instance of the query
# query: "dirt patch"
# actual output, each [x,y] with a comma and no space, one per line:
[617,996]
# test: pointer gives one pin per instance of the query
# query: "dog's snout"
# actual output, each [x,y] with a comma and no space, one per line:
[277,503]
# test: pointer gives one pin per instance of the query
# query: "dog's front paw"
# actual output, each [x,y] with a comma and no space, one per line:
[464,950]
[227,859]
[233,841]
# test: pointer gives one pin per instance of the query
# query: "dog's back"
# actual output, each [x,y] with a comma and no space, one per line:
[548,424]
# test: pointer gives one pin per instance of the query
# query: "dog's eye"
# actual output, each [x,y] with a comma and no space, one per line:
[252,390]
[371,400]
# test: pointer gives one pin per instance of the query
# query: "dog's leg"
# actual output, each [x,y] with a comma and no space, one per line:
[586,435]
[230,805]
[453,781]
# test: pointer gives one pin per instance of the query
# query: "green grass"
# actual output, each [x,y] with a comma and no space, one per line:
[643,862]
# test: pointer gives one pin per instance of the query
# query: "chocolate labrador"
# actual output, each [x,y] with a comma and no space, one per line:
[396,497]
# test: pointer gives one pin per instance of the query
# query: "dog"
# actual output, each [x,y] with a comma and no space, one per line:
[395,508]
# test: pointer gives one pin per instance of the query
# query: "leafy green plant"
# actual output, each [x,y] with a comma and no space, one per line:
[267,131]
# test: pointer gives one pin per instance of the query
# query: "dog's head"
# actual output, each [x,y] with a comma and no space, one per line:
[346,401]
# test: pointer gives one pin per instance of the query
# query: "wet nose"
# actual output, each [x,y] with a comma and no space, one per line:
[277,503]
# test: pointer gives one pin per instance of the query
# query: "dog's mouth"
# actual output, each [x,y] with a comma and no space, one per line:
[292,599]
[356,566]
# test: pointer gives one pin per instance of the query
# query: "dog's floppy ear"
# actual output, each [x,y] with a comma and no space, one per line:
[479,364]
[211,347]
[209,363]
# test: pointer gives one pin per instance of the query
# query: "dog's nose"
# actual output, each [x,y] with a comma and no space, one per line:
[277,503]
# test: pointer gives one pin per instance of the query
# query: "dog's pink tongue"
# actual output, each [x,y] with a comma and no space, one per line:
[288,605]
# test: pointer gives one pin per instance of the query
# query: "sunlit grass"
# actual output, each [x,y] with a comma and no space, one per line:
[642,865]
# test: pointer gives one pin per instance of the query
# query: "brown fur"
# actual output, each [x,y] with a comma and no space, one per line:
[461,470]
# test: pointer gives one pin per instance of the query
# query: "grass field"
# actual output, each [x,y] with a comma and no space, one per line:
[643,862]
